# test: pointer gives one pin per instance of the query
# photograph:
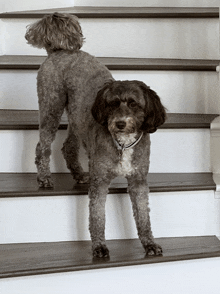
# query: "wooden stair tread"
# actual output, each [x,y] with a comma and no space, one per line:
[25,184]
[30,62]
[28,120]
[46,258]
[122,12]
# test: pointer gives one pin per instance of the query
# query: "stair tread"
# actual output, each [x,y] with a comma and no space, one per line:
[25,184]
[56,257]
[118,63]
[28,119]
[122,12]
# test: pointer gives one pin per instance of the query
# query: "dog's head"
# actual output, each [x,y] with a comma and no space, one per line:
[57,31]
[127,107]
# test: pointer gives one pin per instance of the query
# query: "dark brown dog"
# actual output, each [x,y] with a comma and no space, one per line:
[127,112]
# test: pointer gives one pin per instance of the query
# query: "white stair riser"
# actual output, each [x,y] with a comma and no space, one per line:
[180,277]
[171,151]
[159,38]
[20,5]
[65,218]
[2,37]
[183,92]
[18,89]
[149,3]
[192,277]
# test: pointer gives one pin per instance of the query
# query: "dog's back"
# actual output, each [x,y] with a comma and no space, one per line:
[78,76]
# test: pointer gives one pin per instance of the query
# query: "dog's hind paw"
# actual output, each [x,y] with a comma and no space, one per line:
[45,183]
[84,179]
[101,251]
[153,249]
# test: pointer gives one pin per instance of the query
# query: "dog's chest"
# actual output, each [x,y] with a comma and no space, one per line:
[124,166]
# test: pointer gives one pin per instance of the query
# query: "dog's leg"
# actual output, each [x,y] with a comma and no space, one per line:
[70,152]
[138,191]
[97,194]
[49,123]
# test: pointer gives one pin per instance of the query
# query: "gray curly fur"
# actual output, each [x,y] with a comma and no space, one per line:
[100,112]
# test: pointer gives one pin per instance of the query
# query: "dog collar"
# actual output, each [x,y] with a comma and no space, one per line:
[125,147]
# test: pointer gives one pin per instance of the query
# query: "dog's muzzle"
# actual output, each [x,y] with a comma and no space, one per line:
[120,124]
[125,124]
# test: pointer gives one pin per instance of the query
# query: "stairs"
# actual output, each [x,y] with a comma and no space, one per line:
[74,256]
[45,232]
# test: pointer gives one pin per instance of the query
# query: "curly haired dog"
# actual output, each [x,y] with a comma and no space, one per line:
[112,119]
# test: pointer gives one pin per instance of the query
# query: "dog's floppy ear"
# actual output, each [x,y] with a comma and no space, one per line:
[99,108]
[155,113]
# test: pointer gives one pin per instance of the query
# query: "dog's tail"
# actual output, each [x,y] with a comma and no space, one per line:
[56,32]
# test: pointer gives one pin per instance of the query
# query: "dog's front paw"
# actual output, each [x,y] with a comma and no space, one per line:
[153,249]
[45,182]
[101,251]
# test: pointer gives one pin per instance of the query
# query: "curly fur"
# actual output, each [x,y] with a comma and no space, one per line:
[56,32]
[103,114]
[123,110]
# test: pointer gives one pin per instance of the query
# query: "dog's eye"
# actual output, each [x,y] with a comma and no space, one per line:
[115,103]
[132,103]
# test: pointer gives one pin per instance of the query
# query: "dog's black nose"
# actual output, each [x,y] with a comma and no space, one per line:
[120,125]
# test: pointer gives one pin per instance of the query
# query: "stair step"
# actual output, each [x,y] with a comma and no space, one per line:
[118,63]
[28,120]
[122,12]
[18,260]
[25,184]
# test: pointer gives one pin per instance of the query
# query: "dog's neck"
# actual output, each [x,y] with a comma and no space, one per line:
[126,141]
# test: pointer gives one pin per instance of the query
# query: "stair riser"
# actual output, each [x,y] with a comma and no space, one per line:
[65,218]
[2,36]
[150,3]
[171,151]
[189,92]
[21,5]
[174,277]
[108,37]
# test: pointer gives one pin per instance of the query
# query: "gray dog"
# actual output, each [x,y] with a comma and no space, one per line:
[112,119]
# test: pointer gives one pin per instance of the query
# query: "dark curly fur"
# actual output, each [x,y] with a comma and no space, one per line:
[124,109]
[112,119]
